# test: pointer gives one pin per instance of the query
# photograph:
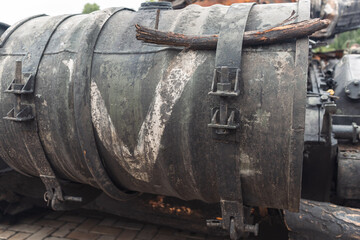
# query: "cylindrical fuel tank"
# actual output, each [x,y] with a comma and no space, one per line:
[110,110]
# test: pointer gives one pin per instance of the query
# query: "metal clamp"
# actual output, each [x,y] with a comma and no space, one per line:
[22,84]
[233,220]
[224,119]
[222,87]
[54,196]
[226,78]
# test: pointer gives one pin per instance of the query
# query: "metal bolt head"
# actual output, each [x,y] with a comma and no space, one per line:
[356,82]
[324,98]
[347,91]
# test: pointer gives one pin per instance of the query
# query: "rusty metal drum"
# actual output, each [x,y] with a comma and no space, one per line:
[98,107]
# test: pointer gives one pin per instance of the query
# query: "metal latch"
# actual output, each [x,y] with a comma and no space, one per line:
[226,78]
[233,219]
[222,84]
[223,118]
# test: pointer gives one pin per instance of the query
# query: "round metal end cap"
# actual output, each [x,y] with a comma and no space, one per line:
[352,90]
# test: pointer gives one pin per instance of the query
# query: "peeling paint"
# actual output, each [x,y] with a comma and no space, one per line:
[262,118]
[246,165]
[1,72]
[348,218]
[167,93]
[70,64]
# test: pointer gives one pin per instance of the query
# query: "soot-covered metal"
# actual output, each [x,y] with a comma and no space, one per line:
[95,117]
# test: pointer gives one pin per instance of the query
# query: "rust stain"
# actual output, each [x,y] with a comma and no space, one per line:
[263,211]
[168,208]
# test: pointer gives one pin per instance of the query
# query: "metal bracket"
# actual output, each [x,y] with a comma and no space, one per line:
[25,114]
[222,87]
[54,196]
[26,88]
[233,220]
[23,83]
[222,121]
[226,78]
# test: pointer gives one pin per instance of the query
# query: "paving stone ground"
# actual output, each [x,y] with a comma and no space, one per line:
[41,224]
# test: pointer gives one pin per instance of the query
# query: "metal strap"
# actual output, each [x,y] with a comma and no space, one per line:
[82,104]
[32,141]
[229,46]
[224,120]
[227,68]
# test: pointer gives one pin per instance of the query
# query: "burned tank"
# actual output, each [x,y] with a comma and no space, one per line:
[94,118]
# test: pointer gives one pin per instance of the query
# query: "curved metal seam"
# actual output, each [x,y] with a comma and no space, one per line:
[46,164]
[66,17]
[83,116]
[47,43]
[13,28]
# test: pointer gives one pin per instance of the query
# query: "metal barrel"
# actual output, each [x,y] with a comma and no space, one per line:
[105,109]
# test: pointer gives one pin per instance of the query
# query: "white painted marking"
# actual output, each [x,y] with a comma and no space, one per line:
[246,167]
[70,64]
[167,93]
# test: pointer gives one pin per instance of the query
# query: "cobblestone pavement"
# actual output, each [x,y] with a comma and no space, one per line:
[40,224]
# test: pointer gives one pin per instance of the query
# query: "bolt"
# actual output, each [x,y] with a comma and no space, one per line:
[252,228]
[347,91]
[324,98]
[213,223]
[356,82]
